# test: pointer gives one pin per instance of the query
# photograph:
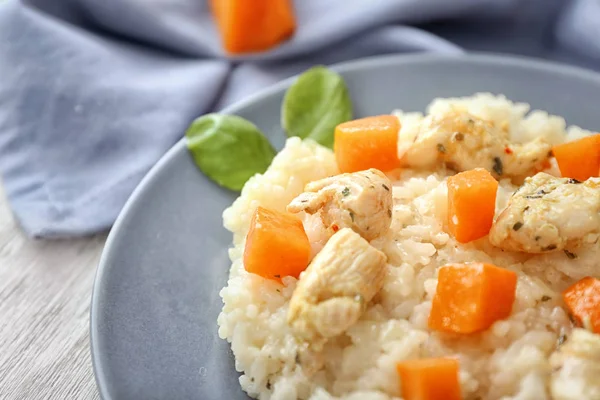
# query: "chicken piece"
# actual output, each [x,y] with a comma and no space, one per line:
[361,201]
[334,290]
[576,367]
[463,142]
[549,214]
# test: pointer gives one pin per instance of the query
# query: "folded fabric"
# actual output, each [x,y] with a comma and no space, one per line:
[92,93]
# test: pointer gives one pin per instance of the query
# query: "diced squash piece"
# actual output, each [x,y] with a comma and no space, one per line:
[579,159]
[429,379]
[583,301]
[365,143]
[276,245]
[471,204]
[253,25]
[471,297]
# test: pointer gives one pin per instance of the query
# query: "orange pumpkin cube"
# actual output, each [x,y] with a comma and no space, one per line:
[471,297]
[579,159]
[471,204]
[429,379]
[276,245]
[365,143]
[583,301]
[253,25]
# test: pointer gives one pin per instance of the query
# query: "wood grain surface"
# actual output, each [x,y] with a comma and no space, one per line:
[45,289]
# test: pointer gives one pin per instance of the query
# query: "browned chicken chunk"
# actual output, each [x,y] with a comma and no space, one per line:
[462,142]
[361,201]
[576,367]
[549,214]
[334,290]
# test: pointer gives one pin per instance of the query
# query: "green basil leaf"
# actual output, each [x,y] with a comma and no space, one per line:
[228,149]
[315,104]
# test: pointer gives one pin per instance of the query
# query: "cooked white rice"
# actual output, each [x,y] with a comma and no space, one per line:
[508,361]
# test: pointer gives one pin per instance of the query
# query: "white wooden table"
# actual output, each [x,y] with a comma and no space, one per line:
[45,289]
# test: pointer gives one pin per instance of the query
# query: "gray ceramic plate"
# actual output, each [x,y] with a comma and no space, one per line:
[156,301]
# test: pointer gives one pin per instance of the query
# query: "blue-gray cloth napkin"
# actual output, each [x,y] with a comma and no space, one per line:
[93,92]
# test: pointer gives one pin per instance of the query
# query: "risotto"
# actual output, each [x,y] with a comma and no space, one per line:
[398,246]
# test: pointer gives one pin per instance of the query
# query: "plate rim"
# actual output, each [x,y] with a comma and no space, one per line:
[481,58]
